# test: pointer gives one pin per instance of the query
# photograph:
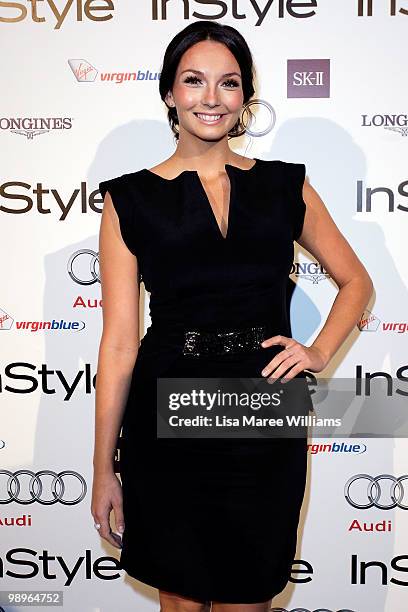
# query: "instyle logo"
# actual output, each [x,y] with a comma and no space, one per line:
[396,123]
[378,570]
[21,563]
[278,9]
[30,379]
[311,271]
[48,12]
[308,78]
[85,72]
[6,323]
[369,322]
[384,492]
[44,487]
[364,382]
[365,8]
[337,447]
[386,199]
[23,198]
[34,126]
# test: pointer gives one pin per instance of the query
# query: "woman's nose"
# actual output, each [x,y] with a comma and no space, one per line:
[210,97]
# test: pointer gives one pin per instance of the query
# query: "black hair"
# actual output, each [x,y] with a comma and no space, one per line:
[189,36]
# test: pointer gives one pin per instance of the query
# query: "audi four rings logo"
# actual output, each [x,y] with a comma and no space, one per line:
[56,491]
[368,492]
[83,267]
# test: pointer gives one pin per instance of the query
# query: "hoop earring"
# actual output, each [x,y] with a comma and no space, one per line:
[240,126]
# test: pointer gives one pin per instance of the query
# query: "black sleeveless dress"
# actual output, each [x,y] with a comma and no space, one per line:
[209,519]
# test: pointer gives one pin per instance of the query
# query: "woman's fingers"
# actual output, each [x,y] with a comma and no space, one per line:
[276,340]
[119,519]
[283,368]
[284,360]
[105,531]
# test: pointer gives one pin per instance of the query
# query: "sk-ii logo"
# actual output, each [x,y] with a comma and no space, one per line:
[308,78]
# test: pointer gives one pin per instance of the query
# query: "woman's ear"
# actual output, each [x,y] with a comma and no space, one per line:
[169,99]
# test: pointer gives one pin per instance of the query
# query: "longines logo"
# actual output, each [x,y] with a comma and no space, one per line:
[279,9]
[34,126]
[311,271]
[308,78]
[365,8]
[39,11]
[395,123]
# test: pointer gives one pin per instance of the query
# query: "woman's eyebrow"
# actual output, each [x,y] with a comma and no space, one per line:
[227,74]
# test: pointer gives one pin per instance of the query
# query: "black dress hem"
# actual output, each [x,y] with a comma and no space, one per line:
[207,598]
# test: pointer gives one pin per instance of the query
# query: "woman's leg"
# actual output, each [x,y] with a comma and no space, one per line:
[257,607]
[171,602]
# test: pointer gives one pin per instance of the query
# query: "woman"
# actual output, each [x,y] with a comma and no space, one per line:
[211,234]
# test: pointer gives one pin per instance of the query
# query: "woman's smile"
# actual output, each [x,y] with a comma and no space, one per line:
[210,118]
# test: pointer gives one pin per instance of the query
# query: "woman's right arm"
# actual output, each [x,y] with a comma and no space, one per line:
[117,355]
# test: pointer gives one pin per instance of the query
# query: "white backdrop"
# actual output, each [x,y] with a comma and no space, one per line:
[74,112]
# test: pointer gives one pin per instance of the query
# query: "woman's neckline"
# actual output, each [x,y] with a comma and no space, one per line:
[167,180]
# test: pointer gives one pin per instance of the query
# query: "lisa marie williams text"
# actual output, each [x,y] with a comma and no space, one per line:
[253,421]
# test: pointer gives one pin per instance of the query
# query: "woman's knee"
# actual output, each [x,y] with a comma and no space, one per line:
[264,606]
[172,602]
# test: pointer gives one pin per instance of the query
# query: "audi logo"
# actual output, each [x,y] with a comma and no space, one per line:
[373,492]
[57,490]
[307,610]
[83,267]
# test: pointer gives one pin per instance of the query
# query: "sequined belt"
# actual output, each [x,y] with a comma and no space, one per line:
[242,340]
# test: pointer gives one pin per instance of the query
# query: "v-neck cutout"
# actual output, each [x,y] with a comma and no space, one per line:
[211,209]
[204,194]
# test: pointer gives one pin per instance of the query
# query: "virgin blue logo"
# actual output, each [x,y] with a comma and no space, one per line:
[337,447]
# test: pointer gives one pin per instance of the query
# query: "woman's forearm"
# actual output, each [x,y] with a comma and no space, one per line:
[345,313]
[115,367]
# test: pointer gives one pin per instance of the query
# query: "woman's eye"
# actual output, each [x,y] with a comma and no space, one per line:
[191,79]
[232,83]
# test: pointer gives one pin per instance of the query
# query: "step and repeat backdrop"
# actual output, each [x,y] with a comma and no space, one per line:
[80,104]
